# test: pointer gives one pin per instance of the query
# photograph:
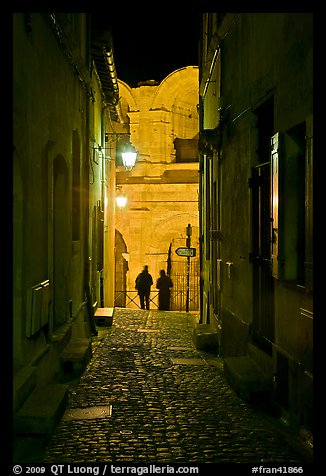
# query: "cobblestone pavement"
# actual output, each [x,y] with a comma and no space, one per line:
[169,402]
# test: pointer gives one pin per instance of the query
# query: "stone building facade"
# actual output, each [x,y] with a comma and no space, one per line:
[162,188]
[63,99]
[256,187]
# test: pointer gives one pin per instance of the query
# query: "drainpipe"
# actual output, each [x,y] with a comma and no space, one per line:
[85,176]
[201,190]
[103,145]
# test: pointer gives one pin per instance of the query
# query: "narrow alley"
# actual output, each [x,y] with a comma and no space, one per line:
[148,396]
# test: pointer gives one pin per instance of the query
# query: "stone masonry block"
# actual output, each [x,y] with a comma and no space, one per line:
[42,410]
[104,316]
[205,337]
[23,384]
[246,377]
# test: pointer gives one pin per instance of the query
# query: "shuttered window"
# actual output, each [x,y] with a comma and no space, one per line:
[291,205]
[275,190]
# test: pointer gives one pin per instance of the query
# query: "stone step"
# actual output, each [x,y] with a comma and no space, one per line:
[42,410]
[104,316]
[23,384]
[76,356]
[205,337]
[246,377]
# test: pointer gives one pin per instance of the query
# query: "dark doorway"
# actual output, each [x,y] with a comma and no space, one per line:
[61,249]
[121,268]
[263,283]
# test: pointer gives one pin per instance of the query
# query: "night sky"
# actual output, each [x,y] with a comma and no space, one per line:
[151,48]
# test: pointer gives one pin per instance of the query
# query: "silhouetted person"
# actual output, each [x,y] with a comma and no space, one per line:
[163,284]
[143,285]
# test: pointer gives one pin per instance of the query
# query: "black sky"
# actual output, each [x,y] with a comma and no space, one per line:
[151,46]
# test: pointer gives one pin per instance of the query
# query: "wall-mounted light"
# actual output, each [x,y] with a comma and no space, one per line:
[129,156]
[128,153]
[120,198]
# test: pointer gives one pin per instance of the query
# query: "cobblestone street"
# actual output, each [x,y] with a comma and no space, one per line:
[156,399]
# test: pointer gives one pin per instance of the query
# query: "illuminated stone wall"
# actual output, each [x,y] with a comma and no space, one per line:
[162,192]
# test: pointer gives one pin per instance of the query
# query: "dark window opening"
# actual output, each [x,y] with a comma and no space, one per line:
[75,187]
[186,150]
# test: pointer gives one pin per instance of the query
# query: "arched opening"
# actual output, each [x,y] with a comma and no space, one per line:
[75,186]
[121,268]
[60,241]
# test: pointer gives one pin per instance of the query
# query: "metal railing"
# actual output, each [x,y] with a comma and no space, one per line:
[179,301]
[130,299]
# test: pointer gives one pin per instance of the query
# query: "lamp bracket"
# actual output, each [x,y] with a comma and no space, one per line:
[114,136]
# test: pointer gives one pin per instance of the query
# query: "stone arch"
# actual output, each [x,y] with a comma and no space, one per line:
[121,268]
[60,236]
[163,113]
[174,228]
[167,235]
[76,185]
[179,83]
[172,233]
[179,95]
[126,93]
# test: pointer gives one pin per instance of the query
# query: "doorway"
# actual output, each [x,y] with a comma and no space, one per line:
[263,283]
[121,268]
[60,242]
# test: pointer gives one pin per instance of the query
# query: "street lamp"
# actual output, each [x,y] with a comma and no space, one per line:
[120,199]
[128,154]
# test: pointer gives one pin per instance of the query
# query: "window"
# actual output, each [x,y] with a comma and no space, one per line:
[291,205]
[186,150]
[75,186]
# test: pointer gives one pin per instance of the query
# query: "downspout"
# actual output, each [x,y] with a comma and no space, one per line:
[85,177]
[201,190]
[103,145]
[104,205]
[108,182]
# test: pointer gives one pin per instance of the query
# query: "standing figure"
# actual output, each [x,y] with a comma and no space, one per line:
[143,285]
[163,284]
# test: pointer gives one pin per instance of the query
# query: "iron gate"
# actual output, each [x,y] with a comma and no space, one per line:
[130,299]
[178,275]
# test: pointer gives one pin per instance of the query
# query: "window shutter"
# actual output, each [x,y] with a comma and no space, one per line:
[275,178]
[309,205]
